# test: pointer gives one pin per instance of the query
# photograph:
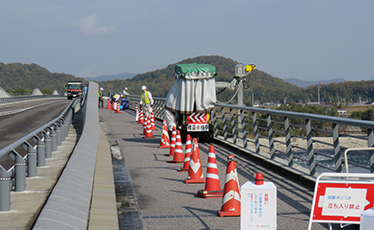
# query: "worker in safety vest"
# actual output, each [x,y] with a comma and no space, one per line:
[125,93]
[146,101]
[101,102]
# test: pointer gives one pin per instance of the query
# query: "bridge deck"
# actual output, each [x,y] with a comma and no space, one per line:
[159,198]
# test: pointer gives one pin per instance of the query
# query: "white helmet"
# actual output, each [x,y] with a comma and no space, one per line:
[144,87]
[125,88]
[101,89]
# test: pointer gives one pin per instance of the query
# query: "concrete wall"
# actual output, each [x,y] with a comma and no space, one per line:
[69,203]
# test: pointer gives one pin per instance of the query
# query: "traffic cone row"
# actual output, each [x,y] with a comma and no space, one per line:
[172,142]
[230,195]
[212,186]
[165,141]
[195,171]
[136,113]
[178,151]
[153,126]
[187,155]
[117,110]
[108,107]
[148,132]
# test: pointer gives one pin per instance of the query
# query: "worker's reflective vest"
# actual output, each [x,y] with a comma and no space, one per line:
[145,97]
[100,93]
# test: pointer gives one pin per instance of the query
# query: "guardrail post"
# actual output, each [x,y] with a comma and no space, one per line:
[214,121]
[233,128]
[270,136]
[41,152]
[20,171]
[48,144]
[63,129]
[309,138]
[288,142]
[244,131]
[371,153]
[54,138]
[31,160]
[58,132]
[337,154]
[255,133]
[4,189]
[224,124]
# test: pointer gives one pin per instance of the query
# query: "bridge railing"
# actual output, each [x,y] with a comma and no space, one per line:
[29,97]
[315,142]
[23,156]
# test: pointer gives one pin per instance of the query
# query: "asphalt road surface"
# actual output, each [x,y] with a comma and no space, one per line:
[18,120]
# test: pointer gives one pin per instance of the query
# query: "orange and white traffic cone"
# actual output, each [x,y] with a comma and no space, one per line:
[108,107]
[141,117]
[117,108]
[165,141]
[136,113]
[145,125]
[172,142]
[178,152]
[212,186]
[148,132]
[187,155]
[195,171]
[231,199]
[153,126]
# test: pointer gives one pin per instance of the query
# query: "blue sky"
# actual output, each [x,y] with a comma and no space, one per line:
[308,40]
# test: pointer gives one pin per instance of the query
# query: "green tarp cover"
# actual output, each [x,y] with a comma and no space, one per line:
[195,71]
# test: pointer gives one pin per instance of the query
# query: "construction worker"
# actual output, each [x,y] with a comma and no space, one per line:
[101,102]
[147,100]
[125,93]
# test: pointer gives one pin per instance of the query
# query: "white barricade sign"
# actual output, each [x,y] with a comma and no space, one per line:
[258,206]
[341,197]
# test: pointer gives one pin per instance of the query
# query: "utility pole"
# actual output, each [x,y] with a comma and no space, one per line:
[319,94]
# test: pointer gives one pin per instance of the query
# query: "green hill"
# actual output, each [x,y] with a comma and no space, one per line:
[17,77]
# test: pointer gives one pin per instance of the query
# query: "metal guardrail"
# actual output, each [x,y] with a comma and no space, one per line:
[277,135]
[26,98]
[71,196]
[23,156]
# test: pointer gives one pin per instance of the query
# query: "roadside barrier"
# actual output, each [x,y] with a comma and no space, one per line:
[187,155]
[212,185]
[195,171]
[231,199]
[178,151]
[172,143]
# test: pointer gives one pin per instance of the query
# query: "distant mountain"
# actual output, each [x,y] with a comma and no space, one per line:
[121,76]
[305,84]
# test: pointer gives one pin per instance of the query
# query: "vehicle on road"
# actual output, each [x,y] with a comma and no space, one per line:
[74,89]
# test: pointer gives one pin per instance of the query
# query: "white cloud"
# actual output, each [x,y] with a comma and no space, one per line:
[89,26]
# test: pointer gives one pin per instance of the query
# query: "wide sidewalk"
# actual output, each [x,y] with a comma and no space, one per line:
[166,202]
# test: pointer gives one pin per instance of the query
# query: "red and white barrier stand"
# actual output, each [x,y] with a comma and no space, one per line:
[342,198]
[258,205]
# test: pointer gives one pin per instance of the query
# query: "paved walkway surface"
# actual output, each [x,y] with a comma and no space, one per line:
[164,201]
